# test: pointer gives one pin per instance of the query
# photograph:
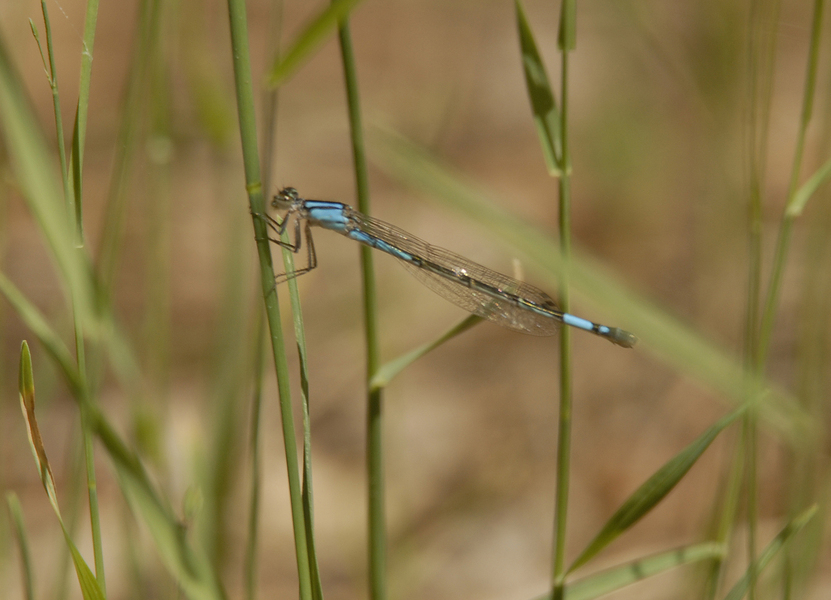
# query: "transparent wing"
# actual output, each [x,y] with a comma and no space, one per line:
[471,286]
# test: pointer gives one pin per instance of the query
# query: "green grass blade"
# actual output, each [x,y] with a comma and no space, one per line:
[35,171]
[613,579]
[567,34]
[90,587]
[79,133]
[307,491]
[255,449]
[741,587]
[188,565]
[26,390]
[652,491]
[543,105]
[16,513]
[310,39]
[667,338]
[240,51]
[138,93]
[723,520]
[391,369]
[47,336]
[52,77]
[376,491]
[807,107]
[808,189]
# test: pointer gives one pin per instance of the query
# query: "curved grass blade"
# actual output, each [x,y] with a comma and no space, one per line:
[312,37]
[79,131]
[47,336]
[613,579]
[792,528]
[388,371]
[189,565]
[543,105]
[35,173]
[26,387]
[652,491]
[804,193]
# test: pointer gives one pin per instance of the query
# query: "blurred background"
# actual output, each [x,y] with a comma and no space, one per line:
[658,115]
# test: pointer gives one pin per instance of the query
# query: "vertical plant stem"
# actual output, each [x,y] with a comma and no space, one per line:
[137,94]
[76,200]
[56,104]
[786,227]
[729,500]
[270,118]
[13,503]
[377,546]
[80,132]
[86,433]
[761,52]
[567,32]
[245,107]
[250,564]
[758,350]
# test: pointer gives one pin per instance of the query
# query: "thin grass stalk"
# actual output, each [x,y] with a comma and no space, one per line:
[567,22]
[248,134]
[807,467]
[786,226]
[158,207]
[19,526]
[761,52]
[300,338]
[377,546]
[307,494]
[52,75]
[750,430]
[89,451]
[112,230]
[726,517]
[269,146]
[270,127]
[74,505]
[251,556]
[92,488]
[79,133]
[88,448]
[76,202]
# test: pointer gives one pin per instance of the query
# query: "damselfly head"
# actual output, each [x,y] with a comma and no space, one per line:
[285,199]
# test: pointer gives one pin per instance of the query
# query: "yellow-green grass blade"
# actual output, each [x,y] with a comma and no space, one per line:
[652,491]
[611,580]
[26,387]
[36,176]
[391,369]
[188,564]
[47,336]
[804,193]
[310,39]
[16,513]
[740,588]
[543,105]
